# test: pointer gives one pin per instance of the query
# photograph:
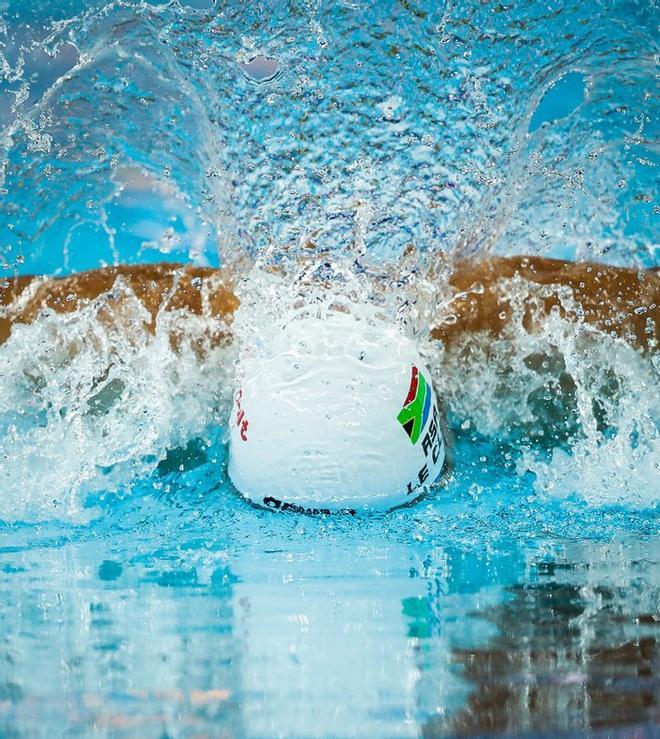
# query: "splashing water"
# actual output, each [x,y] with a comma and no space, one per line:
[405,121]
[92,401]
[338,153]
[270,142]
[579,409]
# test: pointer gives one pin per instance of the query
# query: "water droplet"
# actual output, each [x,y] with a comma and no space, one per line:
[260,69]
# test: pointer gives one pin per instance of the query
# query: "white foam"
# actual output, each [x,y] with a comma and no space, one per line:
[587,400]
[90,401]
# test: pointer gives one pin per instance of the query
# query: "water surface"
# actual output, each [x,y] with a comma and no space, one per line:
[140,595]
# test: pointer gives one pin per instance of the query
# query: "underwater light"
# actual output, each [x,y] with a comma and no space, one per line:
[333,412]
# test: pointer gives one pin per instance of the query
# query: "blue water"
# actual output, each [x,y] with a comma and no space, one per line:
[140,594]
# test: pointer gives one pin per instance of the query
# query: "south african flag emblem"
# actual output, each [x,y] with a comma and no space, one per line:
[417,406]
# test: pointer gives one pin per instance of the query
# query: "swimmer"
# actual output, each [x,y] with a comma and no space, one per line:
[336,413]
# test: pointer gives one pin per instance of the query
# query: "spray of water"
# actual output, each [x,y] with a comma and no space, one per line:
[576,406]
[92,400]
[329,152]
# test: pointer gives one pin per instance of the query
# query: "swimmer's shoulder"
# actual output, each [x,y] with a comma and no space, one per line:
[622,300]
[162,286]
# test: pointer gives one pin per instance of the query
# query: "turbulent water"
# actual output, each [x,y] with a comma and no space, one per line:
[262,126]
[349,145]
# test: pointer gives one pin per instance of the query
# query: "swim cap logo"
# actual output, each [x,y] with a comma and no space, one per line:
[416,407]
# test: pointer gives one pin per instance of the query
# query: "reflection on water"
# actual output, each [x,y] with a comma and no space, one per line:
[573,649]
[325,645]
[116,649]
[317,629]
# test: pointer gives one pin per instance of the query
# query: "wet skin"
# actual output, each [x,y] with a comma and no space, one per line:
[619,301]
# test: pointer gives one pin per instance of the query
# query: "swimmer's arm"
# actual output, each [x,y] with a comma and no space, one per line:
[197,290]
[616,300]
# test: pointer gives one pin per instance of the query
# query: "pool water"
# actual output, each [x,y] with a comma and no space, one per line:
[140,594]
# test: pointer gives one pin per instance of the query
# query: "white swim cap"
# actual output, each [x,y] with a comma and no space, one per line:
[333,412]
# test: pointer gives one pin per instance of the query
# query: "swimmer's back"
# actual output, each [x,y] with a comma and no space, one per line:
[615,300]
